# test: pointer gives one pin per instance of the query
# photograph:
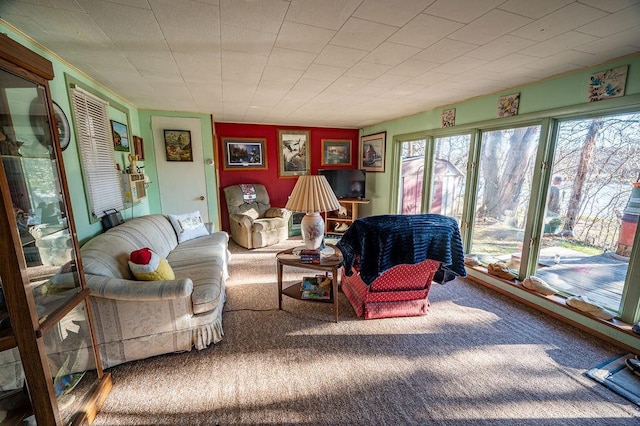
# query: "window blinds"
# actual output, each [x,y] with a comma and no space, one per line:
[101,179]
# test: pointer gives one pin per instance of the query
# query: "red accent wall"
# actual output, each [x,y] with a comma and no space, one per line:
[279,188]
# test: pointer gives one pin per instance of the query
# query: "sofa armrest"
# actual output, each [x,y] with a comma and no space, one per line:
[278,212]
[121,289]
[243,220]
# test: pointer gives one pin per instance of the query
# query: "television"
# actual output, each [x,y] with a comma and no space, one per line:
[346,183]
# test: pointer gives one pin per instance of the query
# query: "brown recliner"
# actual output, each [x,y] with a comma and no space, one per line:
[254,223]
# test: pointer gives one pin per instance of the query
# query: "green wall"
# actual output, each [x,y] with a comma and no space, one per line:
[70,157]
[563,91]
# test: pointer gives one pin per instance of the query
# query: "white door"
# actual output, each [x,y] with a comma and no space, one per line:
[181,184]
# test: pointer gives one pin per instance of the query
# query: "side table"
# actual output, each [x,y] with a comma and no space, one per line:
[327,264]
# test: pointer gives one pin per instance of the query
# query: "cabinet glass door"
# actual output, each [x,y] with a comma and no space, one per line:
[51,288]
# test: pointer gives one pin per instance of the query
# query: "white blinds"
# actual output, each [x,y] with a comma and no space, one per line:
[101,179]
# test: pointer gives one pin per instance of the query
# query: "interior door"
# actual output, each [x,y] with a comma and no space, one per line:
[181,183]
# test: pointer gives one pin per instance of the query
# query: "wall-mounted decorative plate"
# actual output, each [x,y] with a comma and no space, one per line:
[62,124]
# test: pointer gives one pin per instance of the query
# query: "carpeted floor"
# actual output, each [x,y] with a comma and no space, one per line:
[476,358]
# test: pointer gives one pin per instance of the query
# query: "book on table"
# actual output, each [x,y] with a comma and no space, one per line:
[317,287]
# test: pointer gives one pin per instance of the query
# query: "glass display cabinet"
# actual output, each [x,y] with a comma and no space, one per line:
[49,367]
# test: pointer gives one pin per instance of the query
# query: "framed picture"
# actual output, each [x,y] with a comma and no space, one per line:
[336,152]
[372,150]
[244,153]
[120,136]
[508,105]
[607,84]
[138,147]
[293,149]
[448,117]
[177,145]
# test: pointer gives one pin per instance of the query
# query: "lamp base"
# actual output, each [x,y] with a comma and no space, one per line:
[312,227]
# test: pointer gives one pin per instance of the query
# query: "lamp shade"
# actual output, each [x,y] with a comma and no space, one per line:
[312,194]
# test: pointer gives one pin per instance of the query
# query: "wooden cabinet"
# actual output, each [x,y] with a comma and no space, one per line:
[336,222]
[49,366]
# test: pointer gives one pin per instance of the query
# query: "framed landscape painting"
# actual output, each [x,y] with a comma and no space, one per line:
[372,152]
[336,152]
[293,149]
[177,145]
[120,136]
[244,153]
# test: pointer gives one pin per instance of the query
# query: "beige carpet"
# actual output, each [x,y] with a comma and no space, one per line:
[476,358]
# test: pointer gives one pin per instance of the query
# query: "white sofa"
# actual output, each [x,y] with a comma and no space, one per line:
[139,319]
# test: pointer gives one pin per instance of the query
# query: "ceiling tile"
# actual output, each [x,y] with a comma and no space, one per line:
[391,54]
[534,9]
[507,62]
[323,72]
[459,65]
[614,23]
[413,67]
[310,87]
[263,15]
[558,44]
[281,74]
[242,67]
[620,44]
[303,37]
[560,21]
[340,56]
[367,70]
[388,81]
[199,68]
[500,47]
[246,40]
[461,10]
[291,58]
[610,5]
[445,50]
[489,27]
[397,12]
[424,30]
[360,34]
[330,14]
[188,26]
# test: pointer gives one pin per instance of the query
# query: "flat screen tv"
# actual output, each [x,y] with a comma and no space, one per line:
[346,183]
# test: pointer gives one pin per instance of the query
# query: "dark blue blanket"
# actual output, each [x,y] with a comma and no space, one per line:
[383,241]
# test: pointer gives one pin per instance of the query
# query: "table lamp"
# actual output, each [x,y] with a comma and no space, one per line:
[312,195]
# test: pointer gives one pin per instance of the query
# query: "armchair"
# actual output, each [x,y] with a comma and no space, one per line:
[253,222]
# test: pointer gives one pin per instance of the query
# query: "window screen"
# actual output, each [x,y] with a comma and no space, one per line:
[101,179]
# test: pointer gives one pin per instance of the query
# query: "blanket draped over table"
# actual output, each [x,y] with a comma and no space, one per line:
[377,243]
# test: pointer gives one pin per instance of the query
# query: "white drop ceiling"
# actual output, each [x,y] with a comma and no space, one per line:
[334,63]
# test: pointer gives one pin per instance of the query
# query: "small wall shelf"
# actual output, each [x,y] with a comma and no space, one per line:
[134,187]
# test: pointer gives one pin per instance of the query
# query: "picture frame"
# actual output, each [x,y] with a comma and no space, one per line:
[607,84]
[177,145]
[336,152]
[293,152]
[508,105]
[120,135]
[372,152]
[138,147]
[244,153]
[448,117]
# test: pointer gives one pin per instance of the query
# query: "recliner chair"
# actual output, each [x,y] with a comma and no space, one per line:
[254,223]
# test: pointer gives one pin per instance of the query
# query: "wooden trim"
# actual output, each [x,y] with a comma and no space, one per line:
[93,402]
[12,51]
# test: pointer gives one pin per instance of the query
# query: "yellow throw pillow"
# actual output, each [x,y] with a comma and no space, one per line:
[146,265]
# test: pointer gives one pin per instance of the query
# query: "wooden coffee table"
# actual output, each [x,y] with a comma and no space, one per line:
[327,264]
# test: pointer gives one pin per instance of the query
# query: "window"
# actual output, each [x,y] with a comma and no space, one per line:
[592,210]
[504,188]
[102,182]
